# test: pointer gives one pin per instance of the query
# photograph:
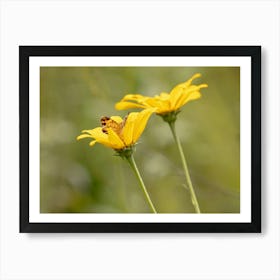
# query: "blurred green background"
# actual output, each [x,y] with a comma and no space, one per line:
[76,178]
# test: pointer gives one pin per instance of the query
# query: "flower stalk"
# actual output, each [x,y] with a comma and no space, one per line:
[185,167]
[131,161]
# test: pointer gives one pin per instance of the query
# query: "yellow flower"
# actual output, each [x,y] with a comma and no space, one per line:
[118,133]
[164,103]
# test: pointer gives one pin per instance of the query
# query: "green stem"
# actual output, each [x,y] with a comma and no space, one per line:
[133,165]
[187,174]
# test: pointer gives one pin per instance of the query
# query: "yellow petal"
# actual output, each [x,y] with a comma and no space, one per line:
[83,136]
[203,86]
[127,132]
[195,76]
[158,103]
[141,122]
[164,96]
[175,94]
[133,97]
[87,131]
[130,101]
[114,140]
[98,135]
[123,105]
[186,98]
[189,94]
[92,143]
[189,81]
[178,90]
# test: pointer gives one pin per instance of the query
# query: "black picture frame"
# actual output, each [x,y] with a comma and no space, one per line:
[254,52]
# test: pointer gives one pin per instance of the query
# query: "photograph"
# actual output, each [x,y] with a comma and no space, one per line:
[155,139]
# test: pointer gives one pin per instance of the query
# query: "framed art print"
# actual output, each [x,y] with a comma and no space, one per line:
[140,138]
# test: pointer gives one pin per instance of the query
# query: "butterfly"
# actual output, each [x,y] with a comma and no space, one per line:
[108,122]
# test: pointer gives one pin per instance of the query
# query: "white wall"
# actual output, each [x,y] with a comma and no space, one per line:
[139,256]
